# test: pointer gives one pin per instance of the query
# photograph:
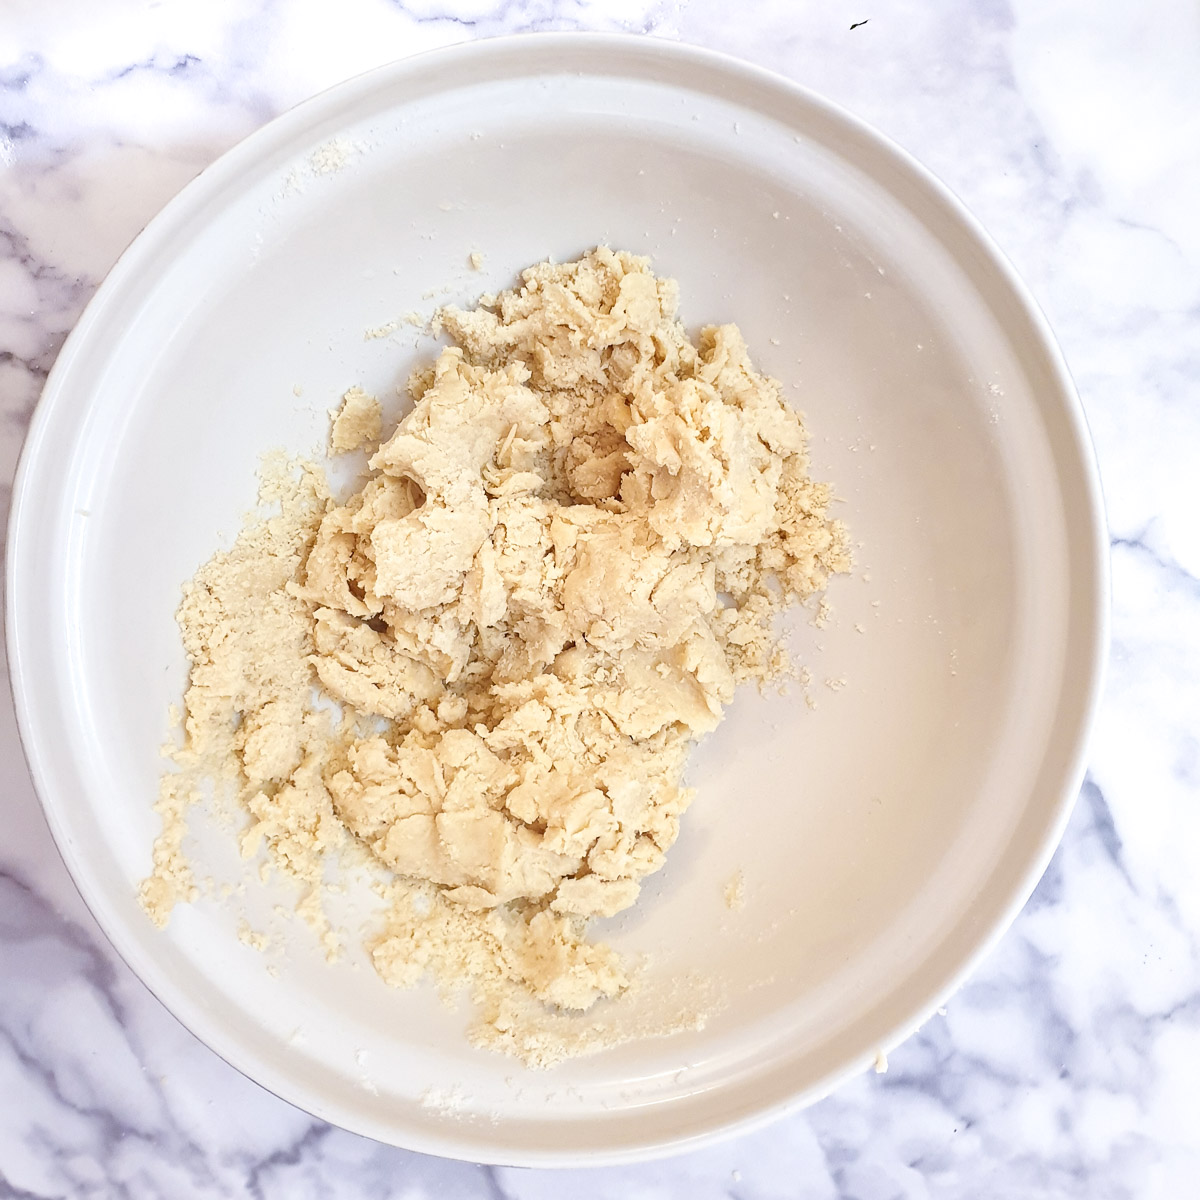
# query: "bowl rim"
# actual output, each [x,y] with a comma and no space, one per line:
[1090,595]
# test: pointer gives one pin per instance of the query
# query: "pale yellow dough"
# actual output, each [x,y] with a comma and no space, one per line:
[563,561]
[356,423]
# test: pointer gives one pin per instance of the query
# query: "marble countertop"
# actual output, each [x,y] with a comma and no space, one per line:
[1067,1067]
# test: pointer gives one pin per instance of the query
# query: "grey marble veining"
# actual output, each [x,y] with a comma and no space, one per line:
[1067,1067]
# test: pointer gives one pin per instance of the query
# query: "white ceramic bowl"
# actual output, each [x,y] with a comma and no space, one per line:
[886,837]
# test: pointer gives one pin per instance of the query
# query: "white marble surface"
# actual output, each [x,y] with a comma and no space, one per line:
[1067,1067]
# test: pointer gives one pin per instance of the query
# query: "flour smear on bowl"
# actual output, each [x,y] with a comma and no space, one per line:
[480,677]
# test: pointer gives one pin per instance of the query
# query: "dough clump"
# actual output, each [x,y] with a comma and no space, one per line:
[356,423]
[563,561]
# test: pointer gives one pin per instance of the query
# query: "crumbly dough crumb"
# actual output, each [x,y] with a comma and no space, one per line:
[377,332]
[249,936]
[559,568]
[356,423]
[172,879]
[735,892]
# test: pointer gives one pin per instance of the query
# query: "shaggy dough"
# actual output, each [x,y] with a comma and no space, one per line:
[356,423]
[563,561]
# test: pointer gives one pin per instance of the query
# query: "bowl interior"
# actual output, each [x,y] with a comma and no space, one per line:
[884,831]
